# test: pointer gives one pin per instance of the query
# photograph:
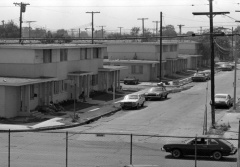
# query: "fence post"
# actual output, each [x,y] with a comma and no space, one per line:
[196,151]
[131,150]
[9,148]
[66,148]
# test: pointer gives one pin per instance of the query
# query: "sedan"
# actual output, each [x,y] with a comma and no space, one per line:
[132,101]
[223,100]
[225,67]
[199,77]
[131,81]
[215,147]
[156,93]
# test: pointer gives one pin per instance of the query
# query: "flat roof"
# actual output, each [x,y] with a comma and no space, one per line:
[132,61]
[15,81]
[79,73]
[50,46]
[112,68]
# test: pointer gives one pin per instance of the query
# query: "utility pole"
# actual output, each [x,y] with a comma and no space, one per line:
[180,29]
[120,30]
[92,23]
[156,25]
[22,10]
[72,32]
[29,27]
[143,23]
[210,14]
[102,29]
[160,50]
[79,32]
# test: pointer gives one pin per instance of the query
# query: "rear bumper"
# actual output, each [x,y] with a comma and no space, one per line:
[234,151]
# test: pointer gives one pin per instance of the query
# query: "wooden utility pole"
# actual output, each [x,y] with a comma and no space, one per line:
[180,29]
[160,50]
[92,23]
[143,24]
[102,29]
[29,27]
[120,30]
[156,25]
[210,14]
[22,10]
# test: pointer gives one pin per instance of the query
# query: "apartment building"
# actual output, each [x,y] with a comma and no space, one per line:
[33,75]
[143,59]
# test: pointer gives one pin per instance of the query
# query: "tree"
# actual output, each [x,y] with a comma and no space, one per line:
[221,46]
[9,30]
[135,31]
[169,31]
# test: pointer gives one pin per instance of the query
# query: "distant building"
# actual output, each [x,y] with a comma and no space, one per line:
[143,59]
[34,75]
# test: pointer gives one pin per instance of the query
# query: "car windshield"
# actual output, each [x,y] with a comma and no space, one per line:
[221,96]
[226,142]
[157,89]
[132,97]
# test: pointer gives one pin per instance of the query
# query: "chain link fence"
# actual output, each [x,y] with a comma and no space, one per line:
[71,149]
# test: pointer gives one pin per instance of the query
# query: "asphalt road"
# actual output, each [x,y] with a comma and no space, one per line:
[179,115]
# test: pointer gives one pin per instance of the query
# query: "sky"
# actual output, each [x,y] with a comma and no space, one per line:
[71,14]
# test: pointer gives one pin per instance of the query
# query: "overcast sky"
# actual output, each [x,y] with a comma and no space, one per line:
[71,14]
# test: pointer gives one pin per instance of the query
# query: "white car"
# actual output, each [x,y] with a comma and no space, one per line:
[132,101]
[223,100]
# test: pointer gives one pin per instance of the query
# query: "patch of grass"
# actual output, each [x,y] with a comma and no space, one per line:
[219,129]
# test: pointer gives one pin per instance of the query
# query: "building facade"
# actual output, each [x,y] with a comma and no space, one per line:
[34,75]
[143,59]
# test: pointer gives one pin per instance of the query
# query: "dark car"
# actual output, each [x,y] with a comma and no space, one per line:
[156,93]
[130,81]
[215,147]
[199,77]
[207,73]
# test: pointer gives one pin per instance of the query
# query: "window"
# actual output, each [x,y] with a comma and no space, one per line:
[47,55]
[173,48]
[165,48]
[56,87]
[212,141]
[94,80]
[96,52]
[137,69]
[63,54]
[83,53]
[31,92]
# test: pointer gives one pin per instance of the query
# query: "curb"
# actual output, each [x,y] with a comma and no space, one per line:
[64,126]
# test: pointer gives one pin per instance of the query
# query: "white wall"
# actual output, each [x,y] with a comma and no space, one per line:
[17,55]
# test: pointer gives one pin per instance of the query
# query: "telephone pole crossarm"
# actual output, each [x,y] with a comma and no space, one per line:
[92,23]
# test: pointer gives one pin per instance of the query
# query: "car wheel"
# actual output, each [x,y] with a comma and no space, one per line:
[137,106]
[217,155]
[142,104]
[166,96]
[176,153]
[146,99]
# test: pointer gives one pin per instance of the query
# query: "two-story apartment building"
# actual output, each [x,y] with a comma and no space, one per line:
[32,75]
[143,59]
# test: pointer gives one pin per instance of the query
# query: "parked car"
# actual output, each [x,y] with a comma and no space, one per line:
[225,67]
[199,77]
[215,147]
[131,80]
[223,100]
[156,93]
[207,73]
[132,101]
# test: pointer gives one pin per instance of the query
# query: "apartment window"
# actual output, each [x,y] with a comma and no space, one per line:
[137,69]
[165,48]
[173,48]
[63,54]
[96,53]
[94,80]
[31,92]
[56,87]
[83,53]
[47,55]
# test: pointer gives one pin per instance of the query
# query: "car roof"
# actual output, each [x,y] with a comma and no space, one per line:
[221,94]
